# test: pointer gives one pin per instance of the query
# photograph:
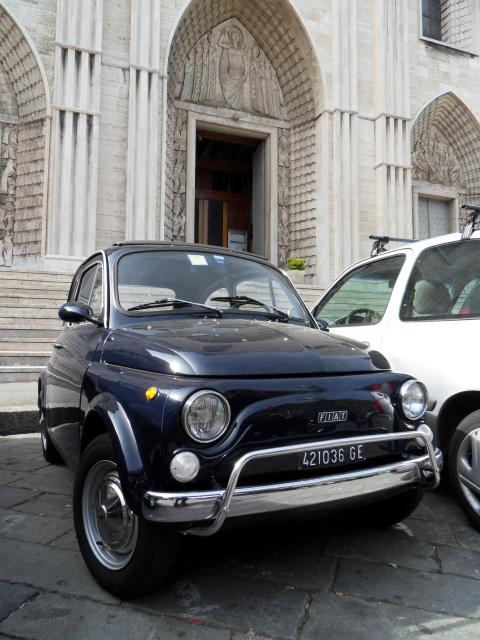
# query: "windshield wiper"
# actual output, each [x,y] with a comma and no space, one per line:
[175,302]
[239,301]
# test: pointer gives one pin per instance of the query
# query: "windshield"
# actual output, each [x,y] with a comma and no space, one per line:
[362,296]
[169,282]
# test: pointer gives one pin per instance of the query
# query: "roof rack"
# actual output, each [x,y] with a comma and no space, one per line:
[381,241]
[473,220]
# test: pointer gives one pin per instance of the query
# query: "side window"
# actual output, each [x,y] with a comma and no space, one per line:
[444,283]
[96,299]
[86,283]
[362,296]
[90,289]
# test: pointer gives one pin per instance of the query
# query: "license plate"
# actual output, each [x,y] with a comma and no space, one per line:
[331,456]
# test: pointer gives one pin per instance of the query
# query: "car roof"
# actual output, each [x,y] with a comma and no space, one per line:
[187,246]
[419,245]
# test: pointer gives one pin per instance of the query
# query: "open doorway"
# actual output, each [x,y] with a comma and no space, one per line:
[230,191]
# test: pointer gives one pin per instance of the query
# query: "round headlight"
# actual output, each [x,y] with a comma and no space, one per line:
[413,398]
[205,416]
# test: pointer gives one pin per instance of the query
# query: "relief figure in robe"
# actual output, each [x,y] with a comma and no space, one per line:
[258,74]
[199,71]
[188,75]
[233,69]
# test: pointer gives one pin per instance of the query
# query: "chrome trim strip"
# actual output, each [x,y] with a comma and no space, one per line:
[213,507]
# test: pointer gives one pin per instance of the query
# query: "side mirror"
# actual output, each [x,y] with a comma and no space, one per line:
[322,324]
[77,312]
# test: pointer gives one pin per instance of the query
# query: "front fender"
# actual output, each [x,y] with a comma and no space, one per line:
[130,465]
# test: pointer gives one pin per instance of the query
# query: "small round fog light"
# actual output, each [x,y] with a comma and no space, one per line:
[185,466]
[425,429]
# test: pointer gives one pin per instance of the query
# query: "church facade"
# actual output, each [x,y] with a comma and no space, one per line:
[283,127]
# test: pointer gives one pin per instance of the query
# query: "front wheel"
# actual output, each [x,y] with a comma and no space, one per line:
[126,554]
[464,466]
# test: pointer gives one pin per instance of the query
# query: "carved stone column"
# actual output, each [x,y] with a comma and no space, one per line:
[8,186]
[75,120]
[392,152]
[143,121]
[345,135]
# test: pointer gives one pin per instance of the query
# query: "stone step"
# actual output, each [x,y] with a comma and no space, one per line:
[24,358]
[309,293]
[32,313]
[20,374]
[41,276]
[13,298]
[33,285]
[31,344]
[25,330]
[19,419]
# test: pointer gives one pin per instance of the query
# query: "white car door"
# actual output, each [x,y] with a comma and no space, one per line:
[434,321]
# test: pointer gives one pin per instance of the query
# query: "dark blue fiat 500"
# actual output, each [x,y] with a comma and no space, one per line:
[190,387]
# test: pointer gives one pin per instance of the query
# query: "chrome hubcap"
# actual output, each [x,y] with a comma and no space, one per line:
[111,526]
[468,468]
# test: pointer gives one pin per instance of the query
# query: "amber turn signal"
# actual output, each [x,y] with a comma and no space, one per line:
[151,393]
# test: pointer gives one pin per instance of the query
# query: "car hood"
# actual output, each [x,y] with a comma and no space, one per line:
[218,348]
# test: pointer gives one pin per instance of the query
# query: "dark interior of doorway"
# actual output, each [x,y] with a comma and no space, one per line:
[223,190]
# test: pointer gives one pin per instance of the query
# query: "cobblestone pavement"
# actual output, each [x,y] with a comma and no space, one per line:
[420,579]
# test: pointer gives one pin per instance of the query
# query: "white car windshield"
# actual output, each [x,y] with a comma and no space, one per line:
[167,281]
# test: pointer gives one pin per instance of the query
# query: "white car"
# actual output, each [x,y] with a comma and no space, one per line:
[419,305]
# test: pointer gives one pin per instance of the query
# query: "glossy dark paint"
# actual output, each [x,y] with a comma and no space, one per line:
[277,378]
[231,347]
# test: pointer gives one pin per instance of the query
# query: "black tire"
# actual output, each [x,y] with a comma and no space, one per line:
[388,512]
[460,464]
[151,551]
[49,451]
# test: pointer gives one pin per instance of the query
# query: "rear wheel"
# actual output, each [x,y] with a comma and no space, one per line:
[126,554]
[391,510]
[48,449]
[464,466]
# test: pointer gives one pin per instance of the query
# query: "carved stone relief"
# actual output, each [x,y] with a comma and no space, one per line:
[434,160]
[8,177]
[283,195]
[179,168]
[227,67]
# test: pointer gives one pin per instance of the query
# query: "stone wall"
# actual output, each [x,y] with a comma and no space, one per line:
[22,145]
[361,96]
[113,130]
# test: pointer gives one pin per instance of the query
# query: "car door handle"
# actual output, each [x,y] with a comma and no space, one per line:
[57,345]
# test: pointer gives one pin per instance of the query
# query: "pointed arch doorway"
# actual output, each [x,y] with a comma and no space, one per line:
[247,73]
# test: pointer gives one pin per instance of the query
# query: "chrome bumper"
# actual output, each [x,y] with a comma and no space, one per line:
[209,509]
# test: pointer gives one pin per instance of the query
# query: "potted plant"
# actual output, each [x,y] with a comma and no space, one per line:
[296,270]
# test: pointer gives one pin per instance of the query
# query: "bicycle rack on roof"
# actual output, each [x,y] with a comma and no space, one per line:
[380,242]
[473,220]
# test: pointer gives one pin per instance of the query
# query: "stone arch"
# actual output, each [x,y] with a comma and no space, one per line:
[445,138]
[273,38]
[24,106]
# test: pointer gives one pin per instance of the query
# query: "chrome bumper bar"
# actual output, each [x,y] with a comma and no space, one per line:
[209,509]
